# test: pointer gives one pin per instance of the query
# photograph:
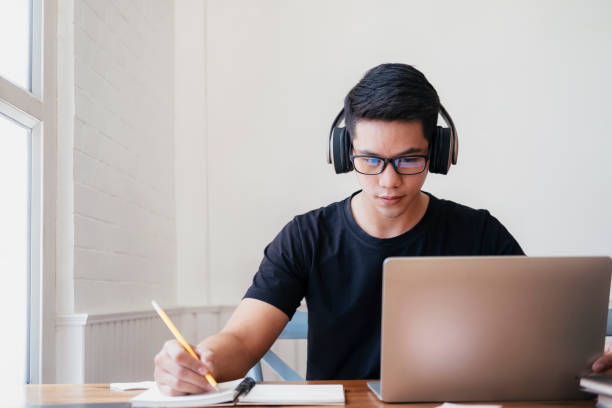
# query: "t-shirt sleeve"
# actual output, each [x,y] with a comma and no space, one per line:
[281,278]
[497,239]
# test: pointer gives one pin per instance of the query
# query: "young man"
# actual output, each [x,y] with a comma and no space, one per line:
[333,256]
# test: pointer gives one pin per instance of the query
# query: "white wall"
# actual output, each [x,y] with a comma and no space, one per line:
[527,83]
[190,152]
[117,211]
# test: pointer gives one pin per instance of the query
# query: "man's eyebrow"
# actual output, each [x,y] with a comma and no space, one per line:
[412,150]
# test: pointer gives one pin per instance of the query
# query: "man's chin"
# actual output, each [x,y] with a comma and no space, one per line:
[387,212]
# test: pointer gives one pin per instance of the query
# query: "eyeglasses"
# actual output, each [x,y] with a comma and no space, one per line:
[404,165]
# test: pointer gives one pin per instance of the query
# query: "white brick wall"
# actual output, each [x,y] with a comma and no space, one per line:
[123,157]
[117,179]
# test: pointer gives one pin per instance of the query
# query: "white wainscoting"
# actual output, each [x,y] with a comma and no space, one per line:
[120,347]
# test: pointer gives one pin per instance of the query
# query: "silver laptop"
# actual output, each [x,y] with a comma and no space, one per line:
[490,328]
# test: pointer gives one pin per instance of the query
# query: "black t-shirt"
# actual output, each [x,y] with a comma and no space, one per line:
[325,256]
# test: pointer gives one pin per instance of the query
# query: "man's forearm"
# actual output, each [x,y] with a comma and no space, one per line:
[231,359]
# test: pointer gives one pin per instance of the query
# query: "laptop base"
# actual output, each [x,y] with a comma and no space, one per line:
[374,386]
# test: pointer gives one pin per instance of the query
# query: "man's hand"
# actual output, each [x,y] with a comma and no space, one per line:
[604,362]
[178,373]
[227,355]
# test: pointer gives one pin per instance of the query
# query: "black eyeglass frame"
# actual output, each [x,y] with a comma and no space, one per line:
[391,160]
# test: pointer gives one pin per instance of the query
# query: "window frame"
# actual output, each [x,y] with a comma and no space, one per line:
[37,110]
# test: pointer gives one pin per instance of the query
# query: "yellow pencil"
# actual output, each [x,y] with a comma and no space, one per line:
[179,337]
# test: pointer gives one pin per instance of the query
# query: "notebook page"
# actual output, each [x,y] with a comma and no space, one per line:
[295,394]
[154,398]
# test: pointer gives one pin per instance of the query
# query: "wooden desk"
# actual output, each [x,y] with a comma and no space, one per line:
[357,396]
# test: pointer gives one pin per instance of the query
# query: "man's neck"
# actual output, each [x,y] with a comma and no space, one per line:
[378,226]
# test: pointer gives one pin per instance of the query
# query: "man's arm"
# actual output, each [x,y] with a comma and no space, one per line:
[252,329]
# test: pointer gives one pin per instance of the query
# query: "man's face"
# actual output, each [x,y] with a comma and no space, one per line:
[390,194]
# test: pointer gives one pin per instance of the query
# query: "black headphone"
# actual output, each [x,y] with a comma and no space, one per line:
[443,147]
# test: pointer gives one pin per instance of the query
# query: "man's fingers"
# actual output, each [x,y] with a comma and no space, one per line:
[208,358]
[602,363]
[167,390]
[187,375]
[161,377]
[183,358]
[171,385]
[178,373]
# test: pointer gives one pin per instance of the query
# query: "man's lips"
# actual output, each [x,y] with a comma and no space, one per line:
[390,199]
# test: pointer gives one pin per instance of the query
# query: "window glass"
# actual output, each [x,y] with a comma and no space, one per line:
[14,247]
[15,35]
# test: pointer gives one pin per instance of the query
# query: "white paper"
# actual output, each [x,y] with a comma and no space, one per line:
[142,385]
[452,405]
[261,394]
[295,394]
[154,397]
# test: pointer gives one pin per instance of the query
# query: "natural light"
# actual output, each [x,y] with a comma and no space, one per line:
[14,179]
[16,33]
[15,23]
[15,51]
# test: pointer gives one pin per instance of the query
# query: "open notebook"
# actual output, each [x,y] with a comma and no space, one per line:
[261,394]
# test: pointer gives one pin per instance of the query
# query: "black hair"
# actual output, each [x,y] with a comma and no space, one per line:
[393,92]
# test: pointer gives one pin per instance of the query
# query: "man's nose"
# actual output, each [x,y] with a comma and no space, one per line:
[389,177]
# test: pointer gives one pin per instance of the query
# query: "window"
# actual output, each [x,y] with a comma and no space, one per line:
[15,35]
[27,176]
[14,241]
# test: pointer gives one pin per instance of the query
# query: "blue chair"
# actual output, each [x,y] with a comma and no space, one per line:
[297,328]
[609,328]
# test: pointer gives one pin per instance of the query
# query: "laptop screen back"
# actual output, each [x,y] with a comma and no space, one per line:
[491,328]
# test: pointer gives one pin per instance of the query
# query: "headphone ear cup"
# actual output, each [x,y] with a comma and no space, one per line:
[439,160]
[341,143]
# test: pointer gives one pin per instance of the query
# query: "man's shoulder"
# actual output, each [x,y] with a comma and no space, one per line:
[329,213]
[462,223]
[452,211]
[321,223]
[460,220]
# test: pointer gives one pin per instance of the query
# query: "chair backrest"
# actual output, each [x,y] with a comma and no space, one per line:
[297,328]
